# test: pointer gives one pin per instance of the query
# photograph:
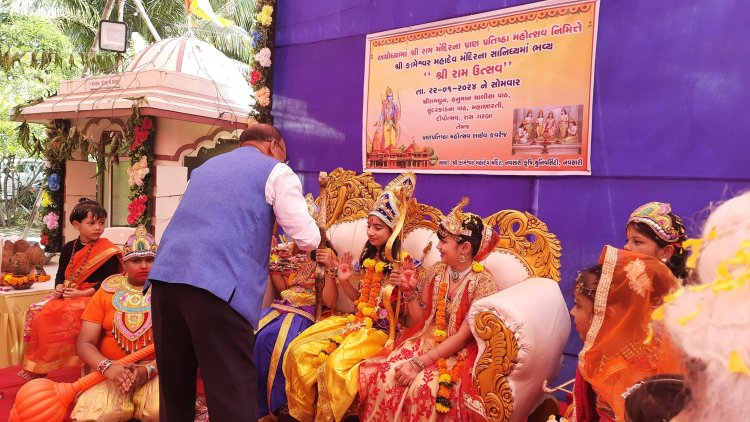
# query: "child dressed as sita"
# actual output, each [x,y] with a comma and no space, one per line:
[322,363]
[428,375]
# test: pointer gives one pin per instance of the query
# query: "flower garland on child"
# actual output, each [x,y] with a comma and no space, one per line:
[447,378]
[367,306]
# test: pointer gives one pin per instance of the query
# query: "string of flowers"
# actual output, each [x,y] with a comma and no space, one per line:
[139,130]
[261,73]
[368,306]
[447,379]
[25,280]
[52,206]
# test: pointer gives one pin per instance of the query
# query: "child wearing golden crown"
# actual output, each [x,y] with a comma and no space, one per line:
[653,229]
[322,363]
[116,323]
[428,375]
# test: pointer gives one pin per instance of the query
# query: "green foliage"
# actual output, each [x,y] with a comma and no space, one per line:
[79,20]
[27,34]
[35,57]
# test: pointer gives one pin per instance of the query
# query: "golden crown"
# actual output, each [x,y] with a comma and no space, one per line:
[656,216]
[140,243]
[454,224]
[388,206]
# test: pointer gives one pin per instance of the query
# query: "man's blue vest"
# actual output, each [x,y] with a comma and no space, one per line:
[219,237]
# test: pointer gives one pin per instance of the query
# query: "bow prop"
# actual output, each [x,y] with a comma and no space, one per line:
[320,272]
[393,314]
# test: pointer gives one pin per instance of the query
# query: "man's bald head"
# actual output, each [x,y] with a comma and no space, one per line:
[267,139]
[260,132]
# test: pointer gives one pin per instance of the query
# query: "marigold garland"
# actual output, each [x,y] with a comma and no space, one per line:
[477,267]
[15,280]
[447,378]
[368,306]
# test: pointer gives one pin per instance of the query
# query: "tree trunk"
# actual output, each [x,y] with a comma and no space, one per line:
[120,10]
[142,10]
[120,18]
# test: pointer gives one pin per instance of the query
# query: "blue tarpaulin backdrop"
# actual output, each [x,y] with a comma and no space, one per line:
[671,118]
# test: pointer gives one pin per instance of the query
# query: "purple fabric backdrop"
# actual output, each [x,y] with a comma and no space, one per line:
[668,120]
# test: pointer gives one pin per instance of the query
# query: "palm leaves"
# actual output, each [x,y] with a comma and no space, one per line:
[234,41]
[79,20]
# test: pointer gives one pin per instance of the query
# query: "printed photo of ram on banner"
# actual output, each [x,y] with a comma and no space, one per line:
[454,96]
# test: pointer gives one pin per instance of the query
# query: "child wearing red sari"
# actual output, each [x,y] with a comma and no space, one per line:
[52,325]
[428,375]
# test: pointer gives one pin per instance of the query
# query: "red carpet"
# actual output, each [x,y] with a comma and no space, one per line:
[10,383]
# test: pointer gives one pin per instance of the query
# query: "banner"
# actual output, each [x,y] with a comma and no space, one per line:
[504,92]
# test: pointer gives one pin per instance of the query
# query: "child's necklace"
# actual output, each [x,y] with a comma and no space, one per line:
[71,281]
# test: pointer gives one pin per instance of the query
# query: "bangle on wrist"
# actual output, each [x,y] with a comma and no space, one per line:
[103,366]
[417,362]
[436,353]
[151,371]
[409,297]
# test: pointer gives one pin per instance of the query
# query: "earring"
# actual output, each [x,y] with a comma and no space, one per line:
[664,260]
[462,258]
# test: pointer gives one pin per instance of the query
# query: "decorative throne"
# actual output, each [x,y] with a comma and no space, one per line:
[520,331]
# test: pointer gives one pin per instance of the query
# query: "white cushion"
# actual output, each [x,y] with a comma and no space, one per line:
[535,312]
[507,268]
[349,236]
[417,240]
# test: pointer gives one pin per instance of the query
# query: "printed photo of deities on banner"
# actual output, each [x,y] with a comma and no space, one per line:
[503,92]
[388,147]
[547,130]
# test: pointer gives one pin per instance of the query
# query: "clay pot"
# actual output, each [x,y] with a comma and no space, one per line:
[36,255]
[21,246]
[7,254]
[5,267]
[20,264]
